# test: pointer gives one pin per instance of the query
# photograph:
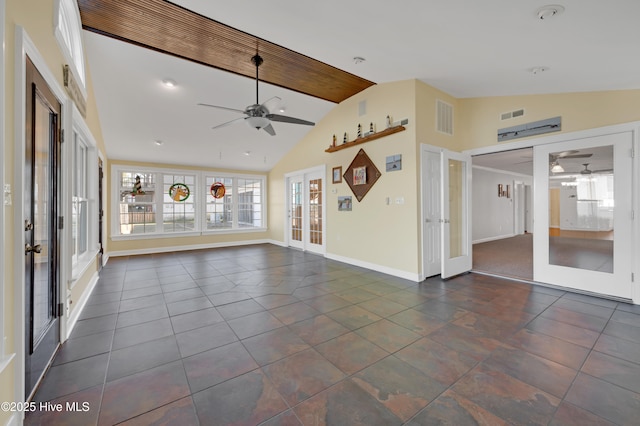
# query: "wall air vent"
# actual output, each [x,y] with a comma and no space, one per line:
[444,117]
[512,114]
[530,129]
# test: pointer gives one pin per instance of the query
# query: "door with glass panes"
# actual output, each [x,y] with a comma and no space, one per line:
[306,211]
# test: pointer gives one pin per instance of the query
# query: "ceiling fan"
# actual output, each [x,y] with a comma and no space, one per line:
[259,116]
[587,171]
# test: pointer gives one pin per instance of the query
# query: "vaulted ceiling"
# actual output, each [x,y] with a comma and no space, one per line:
[465,48]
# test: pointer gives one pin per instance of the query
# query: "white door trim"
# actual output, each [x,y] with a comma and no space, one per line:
[426,270]
[24,47]
[633,127]
[305,173]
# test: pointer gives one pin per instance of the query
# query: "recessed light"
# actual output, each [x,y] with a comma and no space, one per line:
[169,82]
[549,11]
[247,153]
[158,142]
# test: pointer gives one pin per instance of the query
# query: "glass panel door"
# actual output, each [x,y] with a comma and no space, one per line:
[315,211]
[583,226]
[456,208]
[296,200]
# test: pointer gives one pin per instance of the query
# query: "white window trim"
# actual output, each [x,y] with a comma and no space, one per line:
[71,15]
[199,204]
[4,358]
[79,127]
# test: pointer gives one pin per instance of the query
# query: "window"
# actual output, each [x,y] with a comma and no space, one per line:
[249,203]
[137,209]
[219,211]
[178,209]
[79,199]
[69,35]
[166,202]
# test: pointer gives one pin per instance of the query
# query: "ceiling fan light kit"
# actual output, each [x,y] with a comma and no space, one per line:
[259,115]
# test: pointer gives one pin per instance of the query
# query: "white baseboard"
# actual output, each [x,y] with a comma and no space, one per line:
[498,237]
[13,420]
[155,250]
[374,267]
[80,304]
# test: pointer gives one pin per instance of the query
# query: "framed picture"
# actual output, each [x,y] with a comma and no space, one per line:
[360,175]
[337,174]
[344,203]
[394,163]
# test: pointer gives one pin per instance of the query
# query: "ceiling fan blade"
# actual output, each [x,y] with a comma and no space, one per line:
[286,119]
[577,156]
[603,171]
[269,129]
[272,104]
[225,108]
[228,123]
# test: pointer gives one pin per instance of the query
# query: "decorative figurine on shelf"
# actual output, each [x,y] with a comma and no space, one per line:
[371,128]
[137,187]
[388,122]
[359,130]
[334,140]
[344,140]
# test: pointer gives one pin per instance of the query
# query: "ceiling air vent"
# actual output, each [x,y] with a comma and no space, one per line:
[512,114]
[444,117]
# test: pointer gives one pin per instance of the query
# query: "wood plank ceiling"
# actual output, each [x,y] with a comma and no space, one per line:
[171,29]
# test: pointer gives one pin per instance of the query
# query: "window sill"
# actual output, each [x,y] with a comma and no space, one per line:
[187,234]
[82,265]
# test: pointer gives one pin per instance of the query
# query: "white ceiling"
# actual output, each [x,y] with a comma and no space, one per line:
[466,48]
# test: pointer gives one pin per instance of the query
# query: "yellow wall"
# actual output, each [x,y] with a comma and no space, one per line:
[154,244]
[36,17]
[579,111]
[373,231]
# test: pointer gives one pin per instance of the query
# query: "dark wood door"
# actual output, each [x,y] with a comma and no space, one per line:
[41,223]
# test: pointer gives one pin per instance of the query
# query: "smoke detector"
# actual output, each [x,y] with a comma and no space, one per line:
[550,11]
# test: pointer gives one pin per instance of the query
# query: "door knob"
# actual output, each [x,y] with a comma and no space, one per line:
[35,249]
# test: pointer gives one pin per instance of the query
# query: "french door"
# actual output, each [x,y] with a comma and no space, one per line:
[583,229]
[446,211]
[306,211]
[41,206]
[456,213]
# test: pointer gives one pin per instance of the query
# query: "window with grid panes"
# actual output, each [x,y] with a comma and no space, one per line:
[79,200]
[137,208]
[219,211]
[249,196]
[178,212]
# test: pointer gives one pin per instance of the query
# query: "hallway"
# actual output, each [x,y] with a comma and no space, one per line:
[267,334]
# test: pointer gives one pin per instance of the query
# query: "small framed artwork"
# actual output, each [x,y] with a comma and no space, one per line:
[360,175]
[337,174]
[394,163]
[344,203]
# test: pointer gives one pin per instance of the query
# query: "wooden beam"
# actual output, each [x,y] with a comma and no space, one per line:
[171,29]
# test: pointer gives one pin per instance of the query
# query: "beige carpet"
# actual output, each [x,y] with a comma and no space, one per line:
[511,257]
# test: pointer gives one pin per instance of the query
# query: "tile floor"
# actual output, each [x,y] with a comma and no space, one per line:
[267,334]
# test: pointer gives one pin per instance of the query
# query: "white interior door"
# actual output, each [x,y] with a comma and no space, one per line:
[295,188]
[306,210]
[456,213]
[591,249]
[431,211]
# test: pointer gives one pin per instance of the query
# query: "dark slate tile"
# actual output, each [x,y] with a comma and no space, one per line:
[179,413]
[239,309]
[254,324]
[401,388]
[139,316]
[143,356]
[204,338]
[350,352]
[570,415]
[577,335]
[217,365]
[195,319]
[190,305]
[614,370]
[619,348]
[302,375]
[577,319]
[345,404]
[274,345]
[140,393]
[551,348]
[72,377]
[606,400]
[453,409]
[353,317]
[84,347]
[87,401]
[388,335]
[135,334]
[248,399]
[318,329]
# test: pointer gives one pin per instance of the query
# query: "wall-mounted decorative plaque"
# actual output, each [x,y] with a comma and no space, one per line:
[361,175]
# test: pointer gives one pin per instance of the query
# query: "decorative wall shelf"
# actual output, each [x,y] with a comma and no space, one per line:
[368,138]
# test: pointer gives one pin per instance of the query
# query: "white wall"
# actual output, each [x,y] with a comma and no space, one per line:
[493,216]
